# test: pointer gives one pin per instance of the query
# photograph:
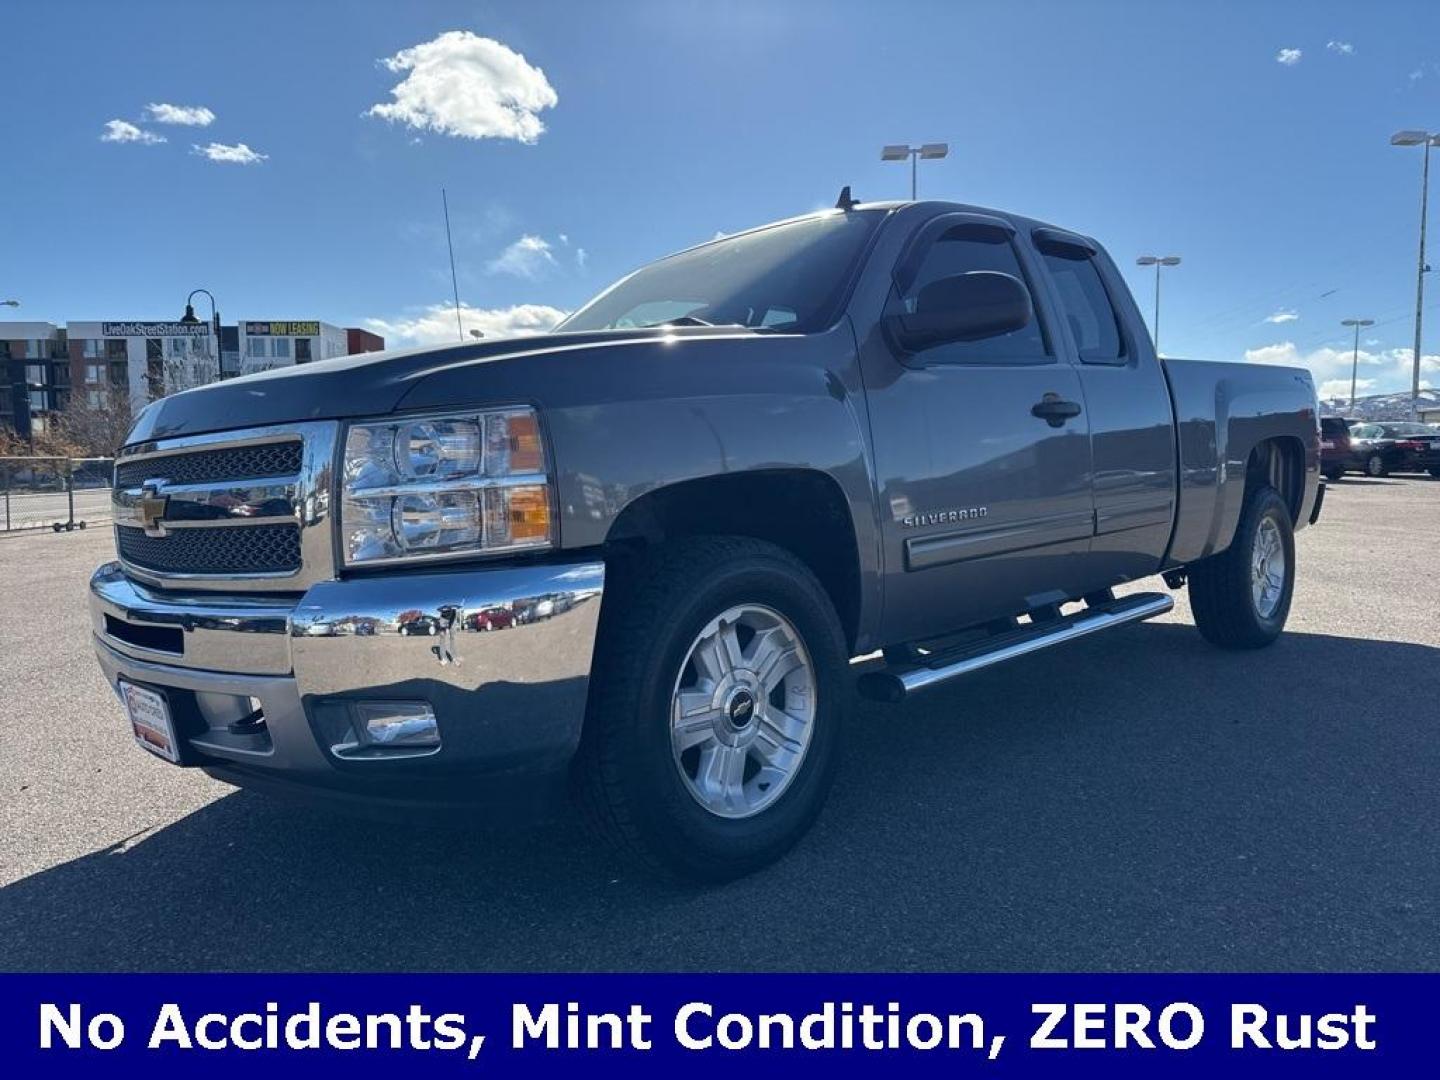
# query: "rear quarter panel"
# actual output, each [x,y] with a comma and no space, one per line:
[1222,412]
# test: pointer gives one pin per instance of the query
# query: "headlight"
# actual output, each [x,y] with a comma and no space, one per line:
[428,486]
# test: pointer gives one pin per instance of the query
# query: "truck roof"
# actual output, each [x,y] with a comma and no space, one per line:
[1020,221]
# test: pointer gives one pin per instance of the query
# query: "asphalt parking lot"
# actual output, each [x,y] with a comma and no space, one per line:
[1138,801]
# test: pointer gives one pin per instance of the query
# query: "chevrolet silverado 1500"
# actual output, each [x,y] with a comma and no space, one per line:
[638,554]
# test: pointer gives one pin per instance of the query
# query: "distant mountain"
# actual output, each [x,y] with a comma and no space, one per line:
[1399,406]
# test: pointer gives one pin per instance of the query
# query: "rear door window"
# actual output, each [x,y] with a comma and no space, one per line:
[1085,303]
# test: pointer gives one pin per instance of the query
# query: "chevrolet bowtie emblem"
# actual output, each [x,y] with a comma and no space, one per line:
[152,508]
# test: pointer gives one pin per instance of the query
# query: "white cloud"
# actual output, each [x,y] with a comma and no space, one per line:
[437,325]
[1340,388]
[1382,371]
[529,257]
[239,154]
[185,115]
[1283,315]
[1288,57]
[1344,48]
[124,131]
[469,86]
[1417,75]
[581,257]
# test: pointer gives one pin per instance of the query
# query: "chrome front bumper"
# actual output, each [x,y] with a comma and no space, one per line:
[500,654]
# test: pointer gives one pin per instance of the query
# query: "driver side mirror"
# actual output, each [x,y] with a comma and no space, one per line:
[963,307]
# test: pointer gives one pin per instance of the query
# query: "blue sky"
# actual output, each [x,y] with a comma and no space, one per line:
[646,127]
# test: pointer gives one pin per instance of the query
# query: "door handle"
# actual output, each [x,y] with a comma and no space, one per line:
[1054,410]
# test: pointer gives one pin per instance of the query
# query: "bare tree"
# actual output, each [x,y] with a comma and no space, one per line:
[186,373]
[96,426]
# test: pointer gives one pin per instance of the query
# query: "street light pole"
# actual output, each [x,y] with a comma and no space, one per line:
[1425,139]
[901,151]
[1355,358]
[1420,271]
[1157,261]
[189,319]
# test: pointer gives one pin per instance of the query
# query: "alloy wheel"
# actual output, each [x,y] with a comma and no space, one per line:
[742,711]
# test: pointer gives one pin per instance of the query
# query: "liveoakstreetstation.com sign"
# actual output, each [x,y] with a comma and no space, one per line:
[282,329]
[154,329]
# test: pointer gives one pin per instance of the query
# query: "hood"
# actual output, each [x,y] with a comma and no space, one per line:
[374,384]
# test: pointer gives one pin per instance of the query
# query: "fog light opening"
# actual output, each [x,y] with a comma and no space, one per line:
[391,729]
[253,722]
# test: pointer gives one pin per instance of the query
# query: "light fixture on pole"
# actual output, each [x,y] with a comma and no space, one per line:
[189,319]
[1426,139]
[476,334]
[931,151]
[1355,358]
[1157,261]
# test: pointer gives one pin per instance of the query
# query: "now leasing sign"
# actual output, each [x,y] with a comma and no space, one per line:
[282,329]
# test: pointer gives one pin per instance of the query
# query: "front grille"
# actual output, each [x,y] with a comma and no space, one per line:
[213,466]
[252,549]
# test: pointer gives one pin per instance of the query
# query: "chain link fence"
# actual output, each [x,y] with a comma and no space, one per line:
[61,494]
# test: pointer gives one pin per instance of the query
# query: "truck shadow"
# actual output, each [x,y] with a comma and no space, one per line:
[1138,802]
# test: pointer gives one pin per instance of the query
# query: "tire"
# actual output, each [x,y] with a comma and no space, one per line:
[1222,593]
[1334,474]
[1435,473]
[633,784]
[1375,466]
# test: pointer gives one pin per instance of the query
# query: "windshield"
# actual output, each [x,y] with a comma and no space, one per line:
[1400,431]
[787,277]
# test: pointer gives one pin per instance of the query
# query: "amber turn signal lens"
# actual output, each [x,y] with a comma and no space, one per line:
[512,444]
[525,453]
[517,517]
[529,514]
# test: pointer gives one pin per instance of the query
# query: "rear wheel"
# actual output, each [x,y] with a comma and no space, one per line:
[1375,466]
[717,696]
[1241,597]
[1334,474]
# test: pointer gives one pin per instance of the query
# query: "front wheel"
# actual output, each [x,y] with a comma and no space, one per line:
[1241,597]
[1375,466]
[1334,474]
[717,696]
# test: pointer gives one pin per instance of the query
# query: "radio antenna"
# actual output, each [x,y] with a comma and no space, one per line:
[454,283]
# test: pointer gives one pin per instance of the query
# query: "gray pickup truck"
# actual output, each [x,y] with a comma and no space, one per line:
[636,556]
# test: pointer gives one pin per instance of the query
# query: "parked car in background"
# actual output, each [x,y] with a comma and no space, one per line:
[495,618]
[419,626]
[1399,447]
[1335,451]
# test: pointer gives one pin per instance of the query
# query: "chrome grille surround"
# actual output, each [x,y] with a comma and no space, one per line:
[167,486]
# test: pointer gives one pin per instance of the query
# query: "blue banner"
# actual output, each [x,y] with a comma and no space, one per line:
[512,1025]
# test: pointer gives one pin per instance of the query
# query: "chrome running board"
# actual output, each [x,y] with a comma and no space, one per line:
[894,684]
